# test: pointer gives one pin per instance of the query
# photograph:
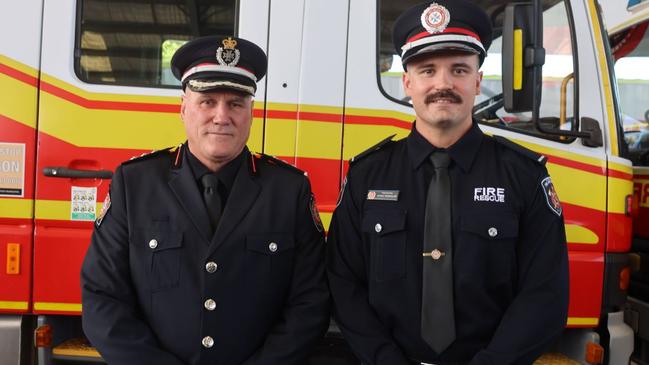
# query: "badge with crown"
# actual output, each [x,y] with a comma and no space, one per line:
[228,55]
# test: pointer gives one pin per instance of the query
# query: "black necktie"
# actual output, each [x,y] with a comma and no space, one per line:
[212,198]
[437,312]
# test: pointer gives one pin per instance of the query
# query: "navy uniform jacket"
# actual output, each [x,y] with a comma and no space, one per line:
[509,253]
[146,302]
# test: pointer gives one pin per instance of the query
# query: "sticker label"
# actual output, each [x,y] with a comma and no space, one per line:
[387,195]
[12,169]
[84,204]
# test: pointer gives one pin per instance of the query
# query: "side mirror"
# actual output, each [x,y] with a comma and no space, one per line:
[522,58]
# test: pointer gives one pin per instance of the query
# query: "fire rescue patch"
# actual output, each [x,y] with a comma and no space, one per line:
[315,215]
[387,195]
[489,194]
[228,55]
[435,18]
[551,196]
[104,210]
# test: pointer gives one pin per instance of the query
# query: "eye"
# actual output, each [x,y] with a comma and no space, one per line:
[206,102]
[460,71]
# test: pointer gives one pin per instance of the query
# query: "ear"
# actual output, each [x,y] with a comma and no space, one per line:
[405,80]
[183,99]
[478,81]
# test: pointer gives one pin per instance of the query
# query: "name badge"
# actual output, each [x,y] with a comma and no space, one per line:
[387,195]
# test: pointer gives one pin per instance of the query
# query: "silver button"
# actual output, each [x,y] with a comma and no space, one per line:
[207,342]
[272,246]
[436,254]
[378,227]
[493,232]
[211,267]
[210,304]
[153,243]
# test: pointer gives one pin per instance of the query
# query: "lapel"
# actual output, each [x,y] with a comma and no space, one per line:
[184,186]
[243,195]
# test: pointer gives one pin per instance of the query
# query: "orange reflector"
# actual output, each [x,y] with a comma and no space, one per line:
[594,353]
[625,278]
[43,336]
[13,258]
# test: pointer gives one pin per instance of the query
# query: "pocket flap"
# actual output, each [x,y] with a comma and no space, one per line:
[383,221]
[269,243]
[491,226]
[163,240]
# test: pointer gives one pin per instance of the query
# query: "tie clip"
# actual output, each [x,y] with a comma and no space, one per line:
[434,254]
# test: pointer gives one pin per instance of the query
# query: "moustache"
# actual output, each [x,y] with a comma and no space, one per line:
[444,94]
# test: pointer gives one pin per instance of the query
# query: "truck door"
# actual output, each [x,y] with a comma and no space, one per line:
[19,68]
[107,94]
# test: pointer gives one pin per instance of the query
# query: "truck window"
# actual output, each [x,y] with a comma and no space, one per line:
[559,78]
[631,51]
[131,43]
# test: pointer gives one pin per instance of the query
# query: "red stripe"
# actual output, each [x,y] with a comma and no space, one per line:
[641,177]
[361,119]
[18,75]
[445,31]
[576,165]
[619,174]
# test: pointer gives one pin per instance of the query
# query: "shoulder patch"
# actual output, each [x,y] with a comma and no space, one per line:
[276,161]
[315,214]
[551,196]
[154,153]
[104,209]
[540,159]
[386,142]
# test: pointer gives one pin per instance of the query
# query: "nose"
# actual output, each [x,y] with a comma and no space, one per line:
[443,80]
[221,114]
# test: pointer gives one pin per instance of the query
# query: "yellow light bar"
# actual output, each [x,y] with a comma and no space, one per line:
[13,258]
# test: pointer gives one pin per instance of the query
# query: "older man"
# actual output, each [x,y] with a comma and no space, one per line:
[206,253]
[448,246]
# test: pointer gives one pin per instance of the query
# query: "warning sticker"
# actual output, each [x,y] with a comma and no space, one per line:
[84,204]
[12,169]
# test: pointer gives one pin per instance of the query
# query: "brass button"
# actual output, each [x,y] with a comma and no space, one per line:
[153,243]
[378,228]
[210,304]
[272,247]
[211,267]
[493,232]
[207,342]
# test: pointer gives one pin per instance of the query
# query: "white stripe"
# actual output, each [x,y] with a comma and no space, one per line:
[209,84]
[219,68]
[441,38]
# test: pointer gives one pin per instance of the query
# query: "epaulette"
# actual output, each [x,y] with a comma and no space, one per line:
[372,149]
[540,159]
[154,153]
[277,162]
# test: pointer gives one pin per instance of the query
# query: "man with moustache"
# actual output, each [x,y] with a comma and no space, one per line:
[448,246]
[206,253]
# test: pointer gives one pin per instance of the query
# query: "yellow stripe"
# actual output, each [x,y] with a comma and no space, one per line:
[582,321]
[319,140]
[19,66]
[358,138]
[618,167]
[618,189]
[16,208]
[59,307]
[570,183]
[280,137]
[14,305]
[606,84]
[20,103]
[580,235]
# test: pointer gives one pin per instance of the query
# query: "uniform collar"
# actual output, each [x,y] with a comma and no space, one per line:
[226,174]
[463,152]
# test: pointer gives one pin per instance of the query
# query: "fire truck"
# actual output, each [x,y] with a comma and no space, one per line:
[627,24]
[87,84]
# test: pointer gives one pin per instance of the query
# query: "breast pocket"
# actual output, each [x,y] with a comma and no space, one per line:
[487,244]
[166,253]
[271,253]
[387,235]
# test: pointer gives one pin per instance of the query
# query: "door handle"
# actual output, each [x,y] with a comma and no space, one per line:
[76,173]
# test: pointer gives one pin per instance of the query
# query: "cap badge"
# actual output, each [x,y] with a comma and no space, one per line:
[435,18]
[228,55]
